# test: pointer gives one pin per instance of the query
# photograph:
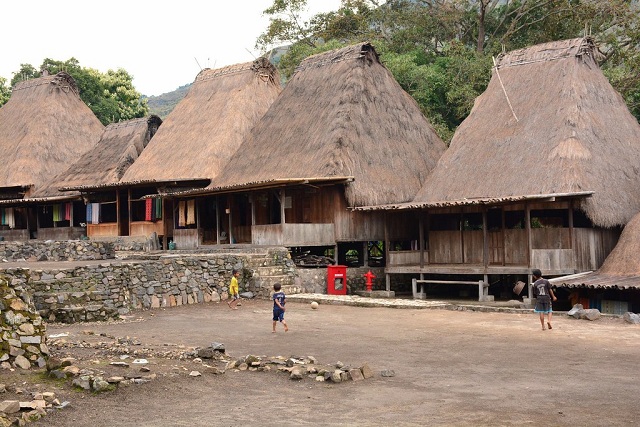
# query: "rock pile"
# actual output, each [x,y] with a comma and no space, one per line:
[22,331]
[299,368]
[578,312]
[19,412]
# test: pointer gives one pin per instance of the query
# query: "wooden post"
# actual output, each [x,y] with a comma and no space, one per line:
[485,239]
[198,223]
[217,221]
[118,212]
[527,220]
[365,248]
[503,236]
[165,225]
[421,237]
[128,210]
[461,229]
[282,198]
[386,239]
[230,199]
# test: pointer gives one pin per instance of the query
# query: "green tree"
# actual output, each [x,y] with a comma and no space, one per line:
[26,72]
[440,51]
[5,93]
[111,95]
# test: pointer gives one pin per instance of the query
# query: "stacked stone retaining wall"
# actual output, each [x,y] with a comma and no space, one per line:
[22,331]
[100,291]
[49,250]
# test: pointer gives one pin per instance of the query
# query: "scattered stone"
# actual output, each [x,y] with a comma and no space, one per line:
[9,406]
[592,314]
[630,317]
[296,374]
[195,374]
[82,382]
[388,373]
[356,374]
[22,362]
[119,364]
[367,372]
[218,346]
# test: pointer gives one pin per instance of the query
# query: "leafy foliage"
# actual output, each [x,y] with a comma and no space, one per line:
[5,93]
[111,95]
[440,51]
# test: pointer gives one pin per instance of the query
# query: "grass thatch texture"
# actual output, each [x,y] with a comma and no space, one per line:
[573,132]
[44,128]
[199,136]
[341,115]
[120,145]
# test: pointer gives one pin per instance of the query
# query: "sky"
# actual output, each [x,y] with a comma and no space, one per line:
[162,44]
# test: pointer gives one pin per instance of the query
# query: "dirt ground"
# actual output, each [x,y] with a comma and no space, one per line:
[451,368]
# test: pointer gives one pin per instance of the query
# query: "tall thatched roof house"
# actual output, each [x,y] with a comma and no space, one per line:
[542,173]
[44,128]
[208,125]
[549,123]
[343,133]
[96,174]
[119,147]
[341,115]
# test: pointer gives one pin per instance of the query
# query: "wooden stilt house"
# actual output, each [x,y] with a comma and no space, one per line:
[614,288]
[343,133]
[542,174]
[197,139]
[44,128]
[106,209]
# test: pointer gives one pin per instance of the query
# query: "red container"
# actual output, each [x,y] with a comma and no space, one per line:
[337,279]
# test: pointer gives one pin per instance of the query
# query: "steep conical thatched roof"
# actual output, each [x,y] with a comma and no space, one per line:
[573,133]
[208,125]
[120,145]
[341,115]
[621,268]
[44,128]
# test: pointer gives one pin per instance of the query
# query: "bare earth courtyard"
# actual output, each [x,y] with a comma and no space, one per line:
[451,368]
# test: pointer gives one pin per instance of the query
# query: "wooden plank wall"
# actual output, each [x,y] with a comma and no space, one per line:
[353,226]
[592,245]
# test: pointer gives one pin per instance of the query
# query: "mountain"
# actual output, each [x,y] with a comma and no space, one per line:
[162,105]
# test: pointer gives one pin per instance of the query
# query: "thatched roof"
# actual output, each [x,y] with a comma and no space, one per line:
[120,145]
[207,126]
[342,114]
[621,269]
[44,128]
[573,133]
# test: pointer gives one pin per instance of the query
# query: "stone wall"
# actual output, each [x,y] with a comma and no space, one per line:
[49,250]
[106,290]
[314,280]
[22,331]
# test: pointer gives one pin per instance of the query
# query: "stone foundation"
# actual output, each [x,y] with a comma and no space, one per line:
[22,331]
[314,280]
[47,250]
[106,290]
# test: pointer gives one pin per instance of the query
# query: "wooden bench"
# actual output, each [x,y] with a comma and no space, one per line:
[483,288]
